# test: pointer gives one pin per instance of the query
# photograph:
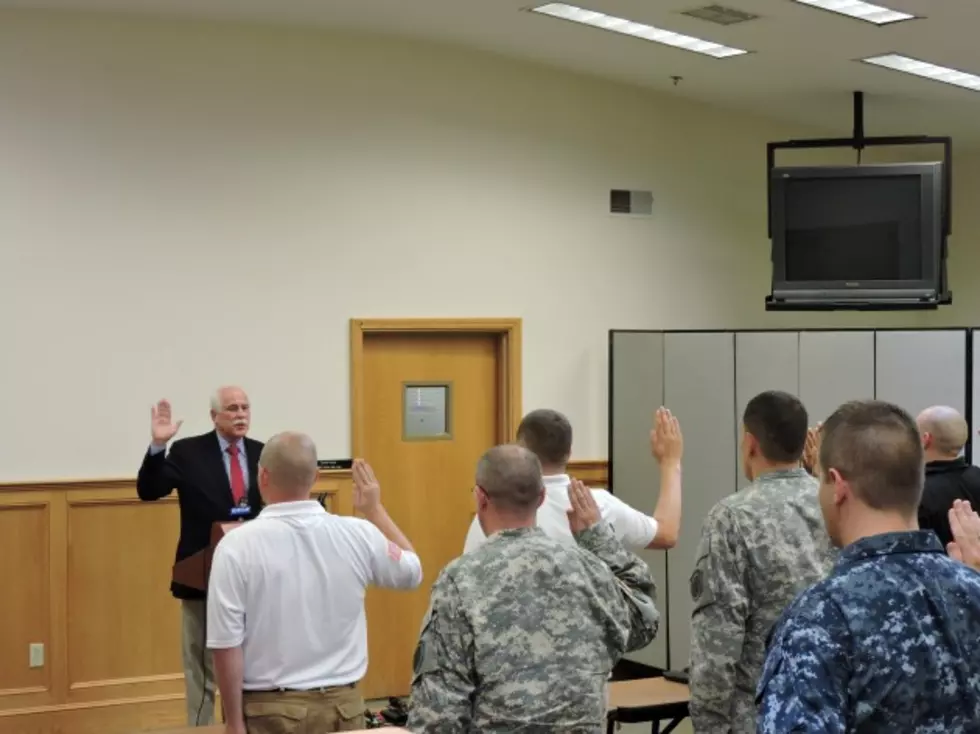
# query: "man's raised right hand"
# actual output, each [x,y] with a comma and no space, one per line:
[162,426]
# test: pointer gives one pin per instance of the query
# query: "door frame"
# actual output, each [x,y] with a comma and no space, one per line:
[508,334]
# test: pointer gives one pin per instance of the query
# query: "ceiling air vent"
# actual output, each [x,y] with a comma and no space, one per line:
[720,15]
[622,201]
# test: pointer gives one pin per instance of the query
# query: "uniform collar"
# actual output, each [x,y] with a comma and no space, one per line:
[781,474]
[938,467]
[516,533]
[890,544]
[288,509]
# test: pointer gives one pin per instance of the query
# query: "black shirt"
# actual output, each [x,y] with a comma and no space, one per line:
[947,481]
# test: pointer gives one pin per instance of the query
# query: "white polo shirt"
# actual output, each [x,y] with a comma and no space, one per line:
[288,587]
[634,529]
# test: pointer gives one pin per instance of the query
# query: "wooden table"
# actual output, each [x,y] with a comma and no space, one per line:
[648,699]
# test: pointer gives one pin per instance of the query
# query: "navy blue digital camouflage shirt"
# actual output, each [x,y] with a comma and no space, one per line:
[889,643]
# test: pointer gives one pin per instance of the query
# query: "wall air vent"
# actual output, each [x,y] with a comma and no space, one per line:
[720,15]
[637,203]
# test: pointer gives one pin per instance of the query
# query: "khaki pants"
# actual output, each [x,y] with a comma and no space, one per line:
[303,712]
[198,667]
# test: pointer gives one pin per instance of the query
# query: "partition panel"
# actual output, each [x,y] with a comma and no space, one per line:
[975,397]
[699,387]
[917,369]
[764,360]
[636,391]
[835,366]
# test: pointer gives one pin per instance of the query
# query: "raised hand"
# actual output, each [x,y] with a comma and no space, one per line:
[367,489]
[964,523]
[162,426]
[811,449]
[666,439]
[584,512]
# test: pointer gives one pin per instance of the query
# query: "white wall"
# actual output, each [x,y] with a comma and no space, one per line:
[183,205]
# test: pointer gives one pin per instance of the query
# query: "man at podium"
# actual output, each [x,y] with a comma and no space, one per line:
[215,475]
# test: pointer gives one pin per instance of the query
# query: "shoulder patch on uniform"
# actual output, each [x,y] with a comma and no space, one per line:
[424,660]
[697,585]
[702,592]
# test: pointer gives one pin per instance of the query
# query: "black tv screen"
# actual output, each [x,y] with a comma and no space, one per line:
[856,228]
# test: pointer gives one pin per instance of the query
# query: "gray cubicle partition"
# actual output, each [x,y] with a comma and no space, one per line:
[835,366]
[764,360]
[707,377]
[639,371]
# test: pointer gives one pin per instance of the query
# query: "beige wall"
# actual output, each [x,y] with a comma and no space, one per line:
[187,204]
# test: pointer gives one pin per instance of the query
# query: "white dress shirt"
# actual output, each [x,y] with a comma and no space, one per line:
[633,528]
[288,587]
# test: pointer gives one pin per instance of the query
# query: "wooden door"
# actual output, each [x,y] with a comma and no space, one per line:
[426,480]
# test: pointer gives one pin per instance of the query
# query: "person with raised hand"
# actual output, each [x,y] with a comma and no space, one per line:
[548,435]
[886,643]
[276,580]
[215,476]
[523,631]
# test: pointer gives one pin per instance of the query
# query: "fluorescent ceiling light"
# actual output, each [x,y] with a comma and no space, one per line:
[926,70]
[637,30]
[861,10]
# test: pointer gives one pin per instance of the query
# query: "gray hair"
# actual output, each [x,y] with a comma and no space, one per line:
[290,459]
[217,397]
[511,477]
[947,427]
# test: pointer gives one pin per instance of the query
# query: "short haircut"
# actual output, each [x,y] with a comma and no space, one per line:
[290,459]
[510,475]
[876,447]
[778,421]
[948,428]
[548,434]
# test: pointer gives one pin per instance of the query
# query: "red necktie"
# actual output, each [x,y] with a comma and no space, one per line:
[237,477]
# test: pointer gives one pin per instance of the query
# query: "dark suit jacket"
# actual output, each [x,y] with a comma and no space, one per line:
[947,481]
[195,468]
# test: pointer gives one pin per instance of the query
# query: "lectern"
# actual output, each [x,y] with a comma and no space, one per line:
[195,570]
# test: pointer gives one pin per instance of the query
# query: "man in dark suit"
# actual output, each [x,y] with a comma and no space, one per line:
[948,477]
[214,474]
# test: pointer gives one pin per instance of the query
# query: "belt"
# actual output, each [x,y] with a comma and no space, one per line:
[318,689]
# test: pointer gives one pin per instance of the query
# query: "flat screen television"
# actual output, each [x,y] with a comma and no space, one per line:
[857,234]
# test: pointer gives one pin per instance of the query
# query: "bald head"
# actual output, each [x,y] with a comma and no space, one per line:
[510,476]
[287,467]
[944,431]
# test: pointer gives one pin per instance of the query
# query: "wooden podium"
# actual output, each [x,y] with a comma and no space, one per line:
[195,570]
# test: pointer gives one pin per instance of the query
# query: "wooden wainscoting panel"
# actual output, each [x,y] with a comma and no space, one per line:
[594,472]
[120,716]
[123,624]
[25,567]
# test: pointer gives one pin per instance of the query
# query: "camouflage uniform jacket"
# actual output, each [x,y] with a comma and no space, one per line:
[522,633]
[759,548]
[886,644]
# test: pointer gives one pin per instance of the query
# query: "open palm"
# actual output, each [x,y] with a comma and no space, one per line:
[162,426]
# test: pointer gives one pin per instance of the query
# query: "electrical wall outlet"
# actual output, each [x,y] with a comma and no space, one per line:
[37,654]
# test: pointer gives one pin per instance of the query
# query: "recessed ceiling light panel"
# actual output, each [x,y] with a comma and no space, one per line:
[924,69]
[860,10]
[637,30]
[720,15]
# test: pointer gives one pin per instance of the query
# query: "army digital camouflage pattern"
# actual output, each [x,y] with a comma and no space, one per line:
[522,633]
[759,548]
[888,643]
